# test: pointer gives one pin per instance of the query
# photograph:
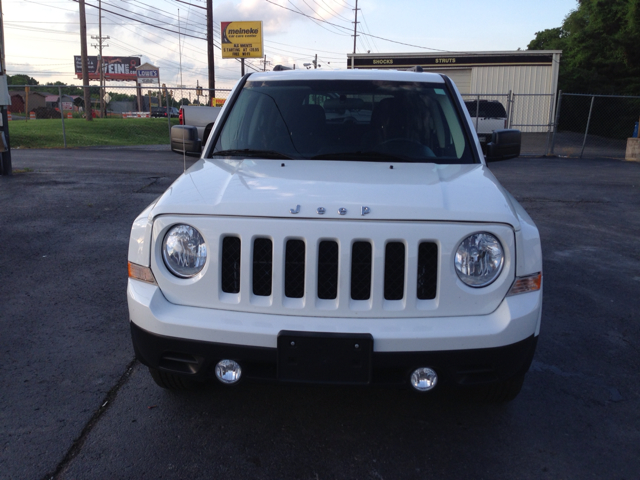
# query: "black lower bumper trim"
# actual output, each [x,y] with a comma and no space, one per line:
[197,360]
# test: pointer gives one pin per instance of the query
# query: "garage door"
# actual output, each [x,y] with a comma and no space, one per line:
[460,76]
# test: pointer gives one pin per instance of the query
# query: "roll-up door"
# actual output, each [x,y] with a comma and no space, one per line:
[460,76]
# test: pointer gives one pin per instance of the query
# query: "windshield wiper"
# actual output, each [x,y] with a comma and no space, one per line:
[247,152]
[368,156]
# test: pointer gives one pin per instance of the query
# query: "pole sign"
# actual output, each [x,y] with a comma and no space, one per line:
[241,39]
[148,73]
[147,76]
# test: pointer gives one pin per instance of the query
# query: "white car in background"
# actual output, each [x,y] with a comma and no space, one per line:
[341,228]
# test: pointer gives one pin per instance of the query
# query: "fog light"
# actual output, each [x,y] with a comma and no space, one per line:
[424,379]
[228,371]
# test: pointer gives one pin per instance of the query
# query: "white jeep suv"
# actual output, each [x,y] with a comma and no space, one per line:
[340,228]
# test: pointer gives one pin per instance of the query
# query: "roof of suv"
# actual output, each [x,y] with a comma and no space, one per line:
[391,75]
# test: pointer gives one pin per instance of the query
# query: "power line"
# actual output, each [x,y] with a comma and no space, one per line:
[368,29]
[197,6]
[303,48]
[50,6]
[345,28]
[301,13]
[140,21]
[140,14]
[317,13]
[328,7]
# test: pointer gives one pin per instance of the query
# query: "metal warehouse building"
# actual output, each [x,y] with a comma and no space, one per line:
[525,82]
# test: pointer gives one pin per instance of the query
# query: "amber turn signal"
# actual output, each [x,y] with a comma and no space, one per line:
[144,274]
[530,283]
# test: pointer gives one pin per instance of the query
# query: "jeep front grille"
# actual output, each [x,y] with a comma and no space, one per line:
[327,268]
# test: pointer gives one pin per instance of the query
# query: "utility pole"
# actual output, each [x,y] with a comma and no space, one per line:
[212,77]
[85,69]
[355,35]
[99,46]
[5,157]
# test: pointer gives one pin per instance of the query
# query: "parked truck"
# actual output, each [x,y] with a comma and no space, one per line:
[487,116]
[196,122]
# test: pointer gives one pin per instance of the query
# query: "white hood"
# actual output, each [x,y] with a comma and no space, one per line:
[392,191]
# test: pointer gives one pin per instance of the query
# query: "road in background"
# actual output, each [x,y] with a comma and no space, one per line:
[65,349]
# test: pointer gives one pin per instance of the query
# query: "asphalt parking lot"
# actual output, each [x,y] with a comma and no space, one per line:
[75,403]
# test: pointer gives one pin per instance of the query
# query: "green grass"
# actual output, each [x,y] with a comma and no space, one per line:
[80,133]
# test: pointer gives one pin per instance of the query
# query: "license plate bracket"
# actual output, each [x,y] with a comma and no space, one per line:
[326,358]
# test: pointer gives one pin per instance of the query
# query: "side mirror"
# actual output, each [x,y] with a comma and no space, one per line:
[504,144]
[184,139]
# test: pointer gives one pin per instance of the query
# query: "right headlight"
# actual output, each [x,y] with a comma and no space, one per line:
[479,259]
[184,251]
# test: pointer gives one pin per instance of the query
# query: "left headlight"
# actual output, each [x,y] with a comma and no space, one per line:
[184,251]
[479,259]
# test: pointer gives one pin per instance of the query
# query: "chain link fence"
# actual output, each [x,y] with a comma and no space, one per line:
[54,116]
[594,125]
[532,114]
[44,116]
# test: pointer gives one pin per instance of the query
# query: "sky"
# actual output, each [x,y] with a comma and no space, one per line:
[42,36]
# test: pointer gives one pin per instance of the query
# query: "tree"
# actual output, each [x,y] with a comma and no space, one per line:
[551,39]
[21,79]
[599,40]
[66,90]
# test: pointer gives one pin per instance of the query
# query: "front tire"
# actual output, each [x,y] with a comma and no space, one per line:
[502,392]
[171,381]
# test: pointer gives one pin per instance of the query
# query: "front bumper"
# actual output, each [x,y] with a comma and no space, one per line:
[197,360]
[463,350]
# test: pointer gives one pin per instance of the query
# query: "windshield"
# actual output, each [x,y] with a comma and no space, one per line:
[363,120]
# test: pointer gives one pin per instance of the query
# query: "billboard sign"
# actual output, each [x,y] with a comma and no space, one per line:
[115,68]
[241,40]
